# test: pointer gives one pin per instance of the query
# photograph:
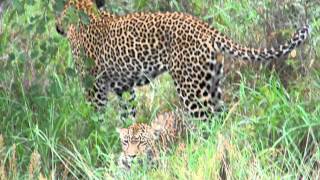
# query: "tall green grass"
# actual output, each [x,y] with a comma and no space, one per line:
[270,131]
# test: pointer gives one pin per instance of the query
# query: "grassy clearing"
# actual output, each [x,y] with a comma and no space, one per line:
[271,130]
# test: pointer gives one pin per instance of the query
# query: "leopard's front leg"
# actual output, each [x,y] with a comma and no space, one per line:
[97,93]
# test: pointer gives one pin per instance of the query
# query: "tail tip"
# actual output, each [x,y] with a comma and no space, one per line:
[307,29]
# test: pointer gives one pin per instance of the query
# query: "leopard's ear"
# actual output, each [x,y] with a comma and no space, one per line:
[155,133]
[121,131]
[156,128]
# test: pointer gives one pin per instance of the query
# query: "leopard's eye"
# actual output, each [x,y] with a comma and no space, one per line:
[142,144]
[125,142]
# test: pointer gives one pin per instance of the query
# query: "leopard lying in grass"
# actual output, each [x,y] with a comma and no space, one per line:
[143,140]
[130,50]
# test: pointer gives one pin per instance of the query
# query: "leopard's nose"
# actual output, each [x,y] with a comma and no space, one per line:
[132,156]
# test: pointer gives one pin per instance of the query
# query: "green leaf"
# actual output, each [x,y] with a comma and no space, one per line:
[22,57]
[4,42]
[43,46]
[41,26]
[38,65]
[140,4]
[31,2]
[88,81]
[18,6]
[34,54]
[35,18]
[44,58]
[52,50]
[59,5]
[84,18]
[71,17]
[30,27]
[88,63]
[55,40]
[71,72]
[12,56]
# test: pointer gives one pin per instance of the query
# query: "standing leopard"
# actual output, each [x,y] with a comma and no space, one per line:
[143,140]
[131,50]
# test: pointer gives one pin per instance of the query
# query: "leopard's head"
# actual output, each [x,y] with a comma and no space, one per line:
[64,24]
[137,141]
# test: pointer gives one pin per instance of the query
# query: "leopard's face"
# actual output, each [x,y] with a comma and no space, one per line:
[137,141]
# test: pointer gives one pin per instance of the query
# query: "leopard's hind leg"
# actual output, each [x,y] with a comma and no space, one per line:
[197,80]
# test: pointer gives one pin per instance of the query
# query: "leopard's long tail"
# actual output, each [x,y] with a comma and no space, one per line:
[225,45]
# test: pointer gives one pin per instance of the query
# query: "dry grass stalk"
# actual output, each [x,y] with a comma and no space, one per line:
[66,170]
[108,176]
[34,165]
[52,175]
[1,148]
[223,153]
[316,171]
[13,163]
[1,142]
[42,177]
[3,174]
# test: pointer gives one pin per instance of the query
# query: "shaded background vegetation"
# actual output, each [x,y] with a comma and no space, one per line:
[271,129]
